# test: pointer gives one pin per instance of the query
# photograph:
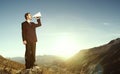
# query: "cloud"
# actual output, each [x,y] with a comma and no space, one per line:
[106,24]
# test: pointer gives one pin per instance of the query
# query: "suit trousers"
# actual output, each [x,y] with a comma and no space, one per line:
[30,54]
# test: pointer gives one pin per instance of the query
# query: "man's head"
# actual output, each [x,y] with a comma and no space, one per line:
[28,16]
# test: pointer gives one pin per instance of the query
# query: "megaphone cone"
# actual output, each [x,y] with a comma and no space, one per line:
[37,14]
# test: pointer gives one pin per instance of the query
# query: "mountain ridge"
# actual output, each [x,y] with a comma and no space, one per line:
[87,61]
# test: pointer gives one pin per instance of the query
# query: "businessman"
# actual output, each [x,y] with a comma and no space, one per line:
[29,39]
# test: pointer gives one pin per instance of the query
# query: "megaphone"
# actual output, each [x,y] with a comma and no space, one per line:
[37,15]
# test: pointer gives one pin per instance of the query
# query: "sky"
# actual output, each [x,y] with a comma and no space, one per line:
[68,26]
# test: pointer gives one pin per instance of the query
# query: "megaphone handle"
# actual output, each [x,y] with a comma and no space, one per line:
[37,17]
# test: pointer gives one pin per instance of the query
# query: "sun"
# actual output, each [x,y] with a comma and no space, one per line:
[65,46]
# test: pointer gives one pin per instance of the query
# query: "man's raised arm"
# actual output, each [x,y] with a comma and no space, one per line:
[38,23]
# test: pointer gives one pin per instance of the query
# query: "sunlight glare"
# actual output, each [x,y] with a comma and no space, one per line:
[65,46]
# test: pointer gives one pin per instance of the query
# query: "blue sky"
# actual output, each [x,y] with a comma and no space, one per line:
[81,23]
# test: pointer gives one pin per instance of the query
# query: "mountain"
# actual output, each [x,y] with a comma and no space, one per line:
[9,67]
[41,59]
[48,64]
[49,60]
[18,59]
[104,59]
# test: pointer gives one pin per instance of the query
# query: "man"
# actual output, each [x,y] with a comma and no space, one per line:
[29,39]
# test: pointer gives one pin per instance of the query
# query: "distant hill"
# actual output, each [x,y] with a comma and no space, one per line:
[104,59]
[49,60]
[41,59]
[18,59]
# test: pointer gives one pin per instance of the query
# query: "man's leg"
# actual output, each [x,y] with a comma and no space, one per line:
[33,53]
[28,56]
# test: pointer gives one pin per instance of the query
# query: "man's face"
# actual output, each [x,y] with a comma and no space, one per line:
[29,17]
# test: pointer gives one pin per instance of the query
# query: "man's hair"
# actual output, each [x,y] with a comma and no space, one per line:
[26,14]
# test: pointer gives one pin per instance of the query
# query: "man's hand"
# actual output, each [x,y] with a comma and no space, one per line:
[24,42]
[37,17]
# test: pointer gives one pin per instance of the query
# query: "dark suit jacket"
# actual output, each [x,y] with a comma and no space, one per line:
[29,31]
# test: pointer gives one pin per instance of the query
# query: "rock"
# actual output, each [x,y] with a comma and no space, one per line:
[34,70]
